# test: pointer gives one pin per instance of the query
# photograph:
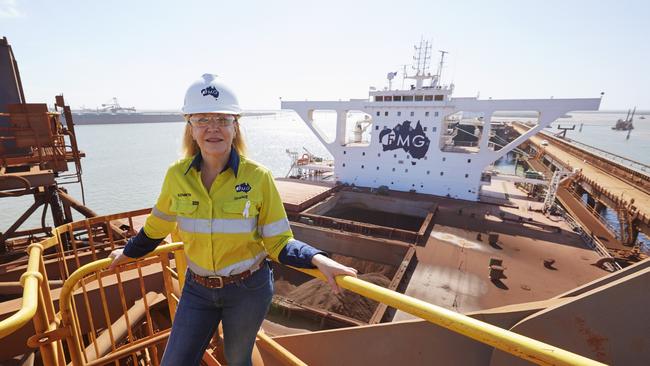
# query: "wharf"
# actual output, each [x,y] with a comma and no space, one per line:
[624,189]
[616,185]
[582,213]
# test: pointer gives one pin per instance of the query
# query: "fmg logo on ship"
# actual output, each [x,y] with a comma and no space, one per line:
[403,136]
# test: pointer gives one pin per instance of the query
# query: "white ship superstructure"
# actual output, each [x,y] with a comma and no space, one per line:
[414,142]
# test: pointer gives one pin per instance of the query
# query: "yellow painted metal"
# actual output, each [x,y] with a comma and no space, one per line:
[181,265]
[30,280]
[65,298]
[277,350]
[505,340]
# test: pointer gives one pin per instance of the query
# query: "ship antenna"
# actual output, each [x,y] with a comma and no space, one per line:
[421,63]
[436,80]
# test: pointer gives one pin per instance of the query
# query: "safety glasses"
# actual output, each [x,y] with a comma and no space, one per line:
[220,120]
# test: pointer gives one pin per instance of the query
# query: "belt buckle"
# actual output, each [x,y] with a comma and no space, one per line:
[220,281]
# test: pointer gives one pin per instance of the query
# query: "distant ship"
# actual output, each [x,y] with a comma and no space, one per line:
[625,124]
[112,112]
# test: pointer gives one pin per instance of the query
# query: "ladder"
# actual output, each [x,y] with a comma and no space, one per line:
[558,177]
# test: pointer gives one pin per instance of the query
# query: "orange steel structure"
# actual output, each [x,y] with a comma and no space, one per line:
[34,158]
[35,150]
[107,316]
[608,182]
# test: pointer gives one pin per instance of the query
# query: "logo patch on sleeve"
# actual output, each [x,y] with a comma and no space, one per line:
[244,187]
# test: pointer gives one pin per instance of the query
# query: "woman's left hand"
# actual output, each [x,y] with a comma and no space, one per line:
[331,268]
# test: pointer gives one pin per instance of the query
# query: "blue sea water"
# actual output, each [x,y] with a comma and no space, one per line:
[125,163]
[597,132]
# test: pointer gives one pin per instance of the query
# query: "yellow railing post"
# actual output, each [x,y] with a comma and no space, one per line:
[30,280]
[45,321]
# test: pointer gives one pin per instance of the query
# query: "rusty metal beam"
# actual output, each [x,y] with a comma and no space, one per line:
[76,204]
[427,225]
[119,327]
[359,227]
[318,312]
[12,229]
[409,259]
[15,288]
[132,347]
[41,178]
[30,232]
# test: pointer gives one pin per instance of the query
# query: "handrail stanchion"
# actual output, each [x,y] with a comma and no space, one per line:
[169,287]
[30,281]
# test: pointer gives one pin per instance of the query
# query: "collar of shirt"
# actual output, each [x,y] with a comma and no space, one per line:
[233,162]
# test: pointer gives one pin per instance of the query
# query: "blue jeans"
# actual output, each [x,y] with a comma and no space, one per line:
[240,306]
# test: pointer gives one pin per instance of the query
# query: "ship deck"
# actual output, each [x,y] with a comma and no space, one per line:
[452,265]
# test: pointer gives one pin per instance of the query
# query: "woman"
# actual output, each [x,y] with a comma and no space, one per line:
[230,217]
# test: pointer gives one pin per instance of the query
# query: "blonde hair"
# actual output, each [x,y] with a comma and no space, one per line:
[190,148]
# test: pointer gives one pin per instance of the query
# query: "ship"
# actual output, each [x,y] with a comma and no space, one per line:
[625,124]
[458,264]
[112,112]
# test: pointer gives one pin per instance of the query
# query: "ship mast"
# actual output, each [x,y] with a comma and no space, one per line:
[436,79]
[421,60]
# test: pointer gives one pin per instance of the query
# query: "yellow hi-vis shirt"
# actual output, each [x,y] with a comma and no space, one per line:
[227,229]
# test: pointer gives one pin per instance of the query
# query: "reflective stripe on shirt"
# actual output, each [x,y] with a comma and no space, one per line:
[274,228]
[223,226]
[161,215]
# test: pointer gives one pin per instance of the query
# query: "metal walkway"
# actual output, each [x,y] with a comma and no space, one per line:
[621,186]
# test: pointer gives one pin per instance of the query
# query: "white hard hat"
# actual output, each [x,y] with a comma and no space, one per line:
[207,95]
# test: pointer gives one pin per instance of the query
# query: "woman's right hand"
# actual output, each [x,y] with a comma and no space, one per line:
[118,258]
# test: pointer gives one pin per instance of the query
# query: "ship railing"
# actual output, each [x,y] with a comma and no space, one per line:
[110,315]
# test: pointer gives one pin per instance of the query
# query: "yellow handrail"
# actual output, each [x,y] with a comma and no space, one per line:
[505,340]
[282,353]
[30,280]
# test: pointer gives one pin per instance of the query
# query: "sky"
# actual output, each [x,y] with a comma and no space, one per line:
[146,53]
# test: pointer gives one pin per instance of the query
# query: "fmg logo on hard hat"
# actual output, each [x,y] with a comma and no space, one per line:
[403,136]
[211,90]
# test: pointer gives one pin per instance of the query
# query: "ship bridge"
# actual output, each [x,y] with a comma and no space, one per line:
[422,138]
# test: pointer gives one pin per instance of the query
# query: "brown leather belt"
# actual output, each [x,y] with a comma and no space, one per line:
[221,281]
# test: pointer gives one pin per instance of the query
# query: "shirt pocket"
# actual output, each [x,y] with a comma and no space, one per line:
[240,209]
[186,211]
[184,207]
